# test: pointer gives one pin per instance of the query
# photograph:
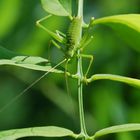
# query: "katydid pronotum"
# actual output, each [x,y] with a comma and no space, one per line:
[71,42]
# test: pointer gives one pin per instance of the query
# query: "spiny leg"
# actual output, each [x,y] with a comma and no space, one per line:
[49,48]
[66,78]
[87,38]
[68,91]
[90,63]
[84,25]
[56,45]
[85,42]
[60,33]
[54,35]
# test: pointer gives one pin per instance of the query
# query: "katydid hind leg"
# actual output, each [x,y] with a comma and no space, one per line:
[30,86]
[69,93]
[52,34]
[49,50]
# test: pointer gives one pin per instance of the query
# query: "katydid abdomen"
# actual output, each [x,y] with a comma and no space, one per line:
[73,36]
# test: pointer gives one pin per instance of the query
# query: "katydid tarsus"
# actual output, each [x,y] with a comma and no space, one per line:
[71,42]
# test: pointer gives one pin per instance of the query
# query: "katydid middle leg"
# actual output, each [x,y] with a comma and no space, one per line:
[87,38]
[84,42]
[90,57]
[55,44]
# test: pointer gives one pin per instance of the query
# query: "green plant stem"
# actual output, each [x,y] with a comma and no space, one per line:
[80,82]
[80,8]
[80,97]
[131,81]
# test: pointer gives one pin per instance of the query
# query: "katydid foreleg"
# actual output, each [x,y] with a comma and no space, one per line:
[60,33]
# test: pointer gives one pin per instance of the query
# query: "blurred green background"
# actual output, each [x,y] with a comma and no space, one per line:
[47,103]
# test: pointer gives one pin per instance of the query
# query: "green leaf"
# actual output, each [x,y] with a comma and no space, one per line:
[48,131]
[30,62]
[57,7]
[117,129]
[67,4]
[131,81]
[126,26]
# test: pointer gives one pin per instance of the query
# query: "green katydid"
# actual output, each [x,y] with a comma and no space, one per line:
[71,41]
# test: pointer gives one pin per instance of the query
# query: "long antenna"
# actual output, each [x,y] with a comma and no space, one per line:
[30,86]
